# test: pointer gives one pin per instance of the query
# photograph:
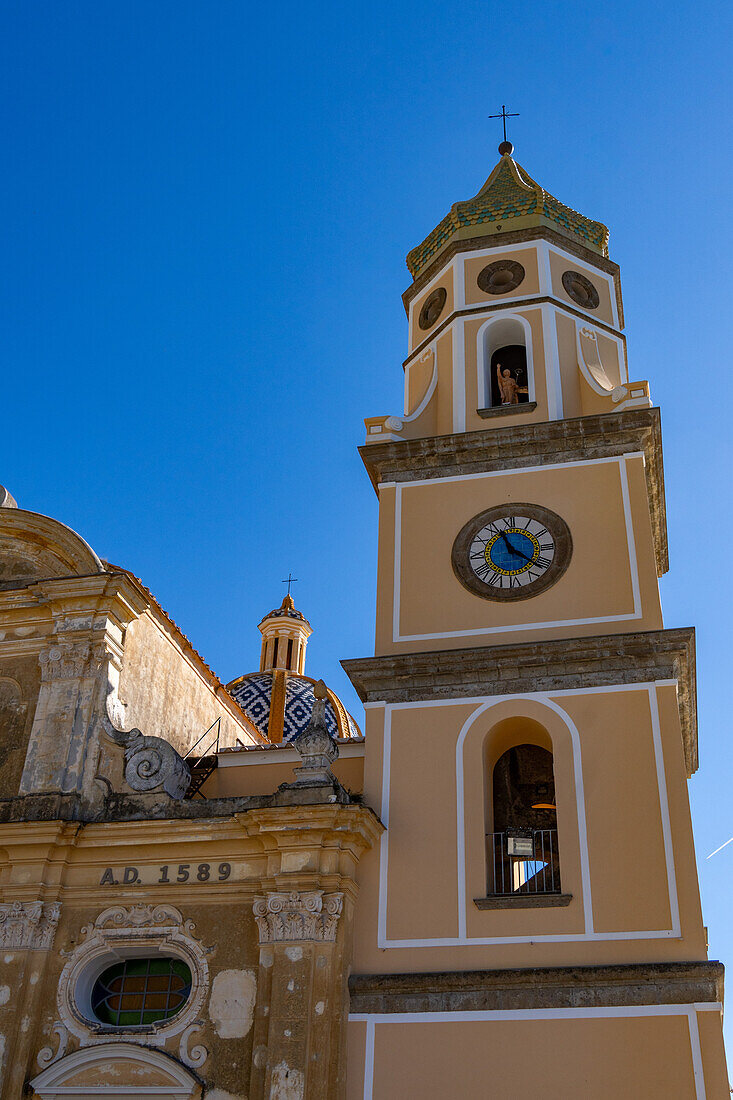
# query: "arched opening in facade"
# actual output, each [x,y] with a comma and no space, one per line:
[506,364]
[522,854]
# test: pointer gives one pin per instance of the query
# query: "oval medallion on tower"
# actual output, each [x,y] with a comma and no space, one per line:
[500,277]
[432,308]
[512,551]
[580,289]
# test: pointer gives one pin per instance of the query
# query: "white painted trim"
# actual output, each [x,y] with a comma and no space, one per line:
[459,375]
[407,418]
[384,818]
[371,1019]
[579,801]
[547,699]
[544,269]
[630,540]
[368,1057]
[636,613]
[582,265]
[553,378]
[396,581]
[674,909]
[459,280]
[445,272]
[483,362]
[475,1016]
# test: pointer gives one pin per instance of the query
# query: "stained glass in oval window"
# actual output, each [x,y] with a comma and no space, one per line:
[139,992]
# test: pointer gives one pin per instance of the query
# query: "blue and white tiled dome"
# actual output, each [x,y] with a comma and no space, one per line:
[280,704]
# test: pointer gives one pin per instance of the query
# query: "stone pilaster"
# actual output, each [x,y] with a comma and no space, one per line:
[296,1042]
[304,918]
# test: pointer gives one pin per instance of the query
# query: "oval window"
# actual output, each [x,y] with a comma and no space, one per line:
[140,992]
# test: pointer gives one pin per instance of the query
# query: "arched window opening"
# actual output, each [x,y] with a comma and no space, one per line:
[140,992]
[506,363]
[521,848]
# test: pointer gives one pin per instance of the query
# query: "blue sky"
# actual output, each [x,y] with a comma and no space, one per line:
[207,209]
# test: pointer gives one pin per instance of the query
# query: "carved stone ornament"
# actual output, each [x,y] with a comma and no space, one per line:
[580,289]
[29,926]
[310,916]
[501,277]
[316,747]
[432,308]
[151,762]
[67,662]
[120,932]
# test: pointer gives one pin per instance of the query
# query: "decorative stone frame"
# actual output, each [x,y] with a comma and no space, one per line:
[500,277]
[432,308]
[53,1081]
[117,934]
[580,289]
[557,527]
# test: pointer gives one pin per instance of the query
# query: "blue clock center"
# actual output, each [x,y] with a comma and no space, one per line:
[512,552]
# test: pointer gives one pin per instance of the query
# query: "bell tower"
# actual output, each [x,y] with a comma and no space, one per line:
[530,723]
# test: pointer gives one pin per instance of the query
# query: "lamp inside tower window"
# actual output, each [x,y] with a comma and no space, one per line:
[521,846]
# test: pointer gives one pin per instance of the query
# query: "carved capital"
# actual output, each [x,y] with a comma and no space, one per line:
[64,662]
[312,915]
[29,926]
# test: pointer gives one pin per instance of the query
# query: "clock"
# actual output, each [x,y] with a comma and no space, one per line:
[512,551]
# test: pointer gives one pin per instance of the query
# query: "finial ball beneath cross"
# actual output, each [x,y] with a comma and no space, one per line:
[506,148]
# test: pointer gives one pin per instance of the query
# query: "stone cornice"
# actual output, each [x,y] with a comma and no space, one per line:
[551,987]
[517,237]
[605,435]
[521,668]
[515,303]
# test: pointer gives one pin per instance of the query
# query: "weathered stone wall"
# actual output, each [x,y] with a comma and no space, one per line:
[165,695]
[20,680]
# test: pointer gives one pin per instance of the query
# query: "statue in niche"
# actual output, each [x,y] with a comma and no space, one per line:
[509,388]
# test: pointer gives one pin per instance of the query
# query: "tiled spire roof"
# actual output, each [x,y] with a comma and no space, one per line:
[510,198]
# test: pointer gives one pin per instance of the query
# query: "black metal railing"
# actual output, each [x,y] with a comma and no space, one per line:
[523,862]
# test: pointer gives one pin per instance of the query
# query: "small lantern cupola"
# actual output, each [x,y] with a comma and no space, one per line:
[285,633]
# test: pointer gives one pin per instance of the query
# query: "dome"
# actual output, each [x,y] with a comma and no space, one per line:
[510,199]
[280,704]
[286,610]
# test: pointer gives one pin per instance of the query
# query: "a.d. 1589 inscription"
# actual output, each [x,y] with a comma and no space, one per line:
[168,874]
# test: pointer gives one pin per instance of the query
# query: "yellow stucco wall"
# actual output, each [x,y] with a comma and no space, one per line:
[610,584]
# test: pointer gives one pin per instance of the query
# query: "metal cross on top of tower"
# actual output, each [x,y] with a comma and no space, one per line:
[290,579]
[506,146]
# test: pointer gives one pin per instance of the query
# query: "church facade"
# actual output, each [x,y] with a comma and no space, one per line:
[231,892]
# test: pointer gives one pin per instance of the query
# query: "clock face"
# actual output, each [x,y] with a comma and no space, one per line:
[512,551]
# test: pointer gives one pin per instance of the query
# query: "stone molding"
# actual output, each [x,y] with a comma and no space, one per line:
[517,236]
[604,435]
[116,933]
[553,665]
[69,662]
[29,926]
[531,988]
[307,916]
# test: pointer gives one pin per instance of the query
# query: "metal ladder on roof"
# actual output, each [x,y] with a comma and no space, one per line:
[205,764]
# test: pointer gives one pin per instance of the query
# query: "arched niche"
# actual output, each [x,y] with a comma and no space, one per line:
[103,1071]
[506,341]
[35,547]
[491,730]
[522,851]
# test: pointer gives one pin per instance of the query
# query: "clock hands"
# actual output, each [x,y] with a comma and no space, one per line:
[513,550]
